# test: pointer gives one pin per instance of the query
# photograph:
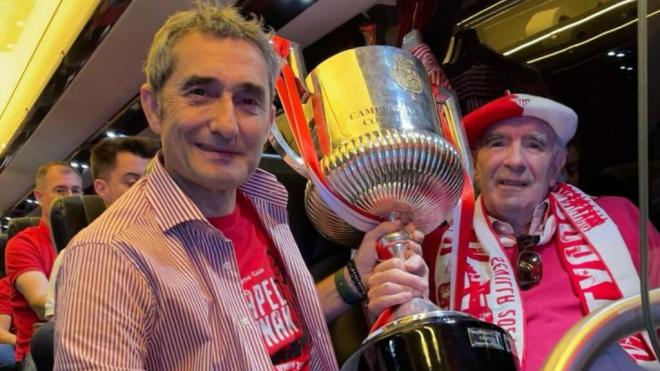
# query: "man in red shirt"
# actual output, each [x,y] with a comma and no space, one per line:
[539,254]
[30,254]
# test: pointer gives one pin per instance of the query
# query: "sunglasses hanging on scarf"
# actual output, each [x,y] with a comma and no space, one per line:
[529,267]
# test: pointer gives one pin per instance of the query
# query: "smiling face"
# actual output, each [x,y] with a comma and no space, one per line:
[213,115]
[517,162]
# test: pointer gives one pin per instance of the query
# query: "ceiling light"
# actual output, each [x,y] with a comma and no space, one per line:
[487,13]
[596,37]
[620,55]
[35,37]
[591,16]
[622,67]
[111,134]
[629,68]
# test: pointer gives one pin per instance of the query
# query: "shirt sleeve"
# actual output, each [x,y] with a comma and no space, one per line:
[104,311]
[22,255]
[50,298]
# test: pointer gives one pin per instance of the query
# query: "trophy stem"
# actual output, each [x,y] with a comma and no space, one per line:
[393,245]
[390,246]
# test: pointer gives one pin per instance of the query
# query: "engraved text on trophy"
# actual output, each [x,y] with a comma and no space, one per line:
[375,115]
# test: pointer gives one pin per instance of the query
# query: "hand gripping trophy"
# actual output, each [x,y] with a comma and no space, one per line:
[370,142]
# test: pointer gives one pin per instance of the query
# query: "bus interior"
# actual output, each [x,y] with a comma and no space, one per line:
[70,76]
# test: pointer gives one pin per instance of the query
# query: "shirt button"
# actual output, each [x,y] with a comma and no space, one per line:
[226,266]
[245,320]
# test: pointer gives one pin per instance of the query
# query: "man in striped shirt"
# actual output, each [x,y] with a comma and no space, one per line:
[195,267]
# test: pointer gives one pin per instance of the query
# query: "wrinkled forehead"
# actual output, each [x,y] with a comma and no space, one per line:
[522,127]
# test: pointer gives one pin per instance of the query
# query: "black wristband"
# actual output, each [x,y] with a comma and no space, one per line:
[347,294]
[355,277]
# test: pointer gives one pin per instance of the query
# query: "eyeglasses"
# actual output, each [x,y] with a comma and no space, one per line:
[530,267]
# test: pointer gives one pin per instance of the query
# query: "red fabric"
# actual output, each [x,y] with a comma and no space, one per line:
[30,250]
[5,303]
[5,294]
[416,15]
[562,119]
[477,121]
[266,291]
[549,317]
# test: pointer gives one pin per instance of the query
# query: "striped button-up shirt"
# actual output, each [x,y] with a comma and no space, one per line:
[152,285]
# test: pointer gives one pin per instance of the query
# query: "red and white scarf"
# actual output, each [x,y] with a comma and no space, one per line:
[589,244]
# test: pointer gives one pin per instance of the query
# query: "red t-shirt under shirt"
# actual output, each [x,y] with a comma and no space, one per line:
[265,287]
[30,250]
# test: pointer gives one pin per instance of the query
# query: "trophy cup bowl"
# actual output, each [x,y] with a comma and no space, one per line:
[415,174]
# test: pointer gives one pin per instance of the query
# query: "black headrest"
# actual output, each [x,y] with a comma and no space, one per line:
[18,224]
[3,246]
[69,215]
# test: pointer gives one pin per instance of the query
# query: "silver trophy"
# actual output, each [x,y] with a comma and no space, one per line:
[380,145]
[377,141]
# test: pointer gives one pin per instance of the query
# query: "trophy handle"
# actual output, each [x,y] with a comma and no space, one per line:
[291,54]
[288,154]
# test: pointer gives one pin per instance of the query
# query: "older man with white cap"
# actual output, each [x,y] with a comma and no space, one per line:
[540,254]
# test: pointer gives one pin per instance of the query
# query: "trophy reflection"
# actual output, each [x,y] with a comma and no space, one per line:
[369,140]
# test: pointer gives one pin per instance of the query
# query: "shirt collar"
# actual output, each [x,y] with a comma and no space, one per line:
[543,225]
[172,206]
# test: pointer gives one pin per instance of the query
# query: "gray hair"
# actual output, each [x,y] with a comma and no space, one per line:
[215,20]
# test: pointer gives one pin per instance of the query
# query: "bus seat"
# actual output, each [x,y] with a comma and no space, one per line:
[18,224]
[15,225]
[69,215]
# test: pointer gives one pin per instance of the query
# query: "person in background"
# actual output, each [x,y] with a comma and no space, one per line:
[200,269]
[543,254]
[30,254]
[7,337]
[116,163]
